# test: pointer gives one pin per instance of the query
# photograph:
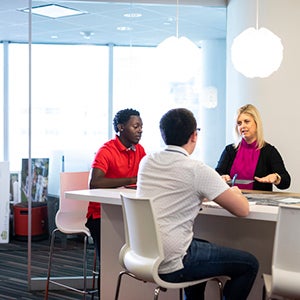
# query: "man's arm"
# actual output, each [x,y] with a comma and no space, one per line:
[234,201]
[98,180]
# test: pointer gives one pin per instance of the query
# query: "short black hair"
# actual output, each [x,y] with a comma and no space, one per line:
[176,126]
[123,116]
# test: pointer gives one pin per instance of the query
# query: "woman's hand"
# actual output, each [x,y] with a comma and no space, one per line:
[226,177]
[271,178]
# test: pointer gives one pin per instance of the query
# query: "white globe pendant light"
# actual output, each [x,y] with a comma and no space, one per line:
[257,52]
[177,56]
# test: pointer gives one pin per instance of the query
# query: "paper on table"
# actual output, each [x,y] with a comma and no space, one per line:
[253,197]
[216,205]
[239,181]
[289,200]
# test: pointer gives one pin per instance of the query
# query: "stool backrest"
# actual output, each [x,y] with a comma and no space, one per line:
[286,252]
[72,181]
[142,252]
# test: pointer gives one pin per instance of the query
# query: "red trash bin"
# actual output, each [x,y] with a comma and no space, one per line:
[39,221]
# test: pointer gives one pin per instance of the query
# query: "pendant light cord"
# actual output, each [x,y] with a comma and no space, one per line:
[177,18]
[257,11]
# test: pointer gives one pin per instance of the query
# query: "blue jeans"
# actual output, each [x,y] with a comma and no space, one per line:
[204,259]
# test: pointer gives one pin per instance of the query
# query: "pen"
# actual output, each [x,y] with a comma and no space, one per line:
[233,179]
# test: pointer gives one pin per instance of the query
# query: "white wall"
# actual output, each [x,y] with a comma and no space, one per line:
[278,96]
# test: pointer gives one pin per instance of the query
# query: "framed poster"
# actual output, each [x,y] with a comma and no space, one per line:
[14,188]
[39,182]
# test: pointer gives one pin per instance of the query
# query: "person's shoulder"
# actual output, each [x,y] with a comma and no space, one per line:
[198,166]
[110,142]
[268,147]
[140,147]
[108,146]
[230,147]
[140,150]
[154,157]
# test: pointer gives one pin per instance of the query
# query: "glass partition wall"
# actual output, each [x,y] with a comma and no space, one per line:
[62,96]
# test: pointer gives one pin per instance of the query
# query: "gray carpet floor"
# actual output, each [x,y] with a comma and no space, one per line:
[14,282]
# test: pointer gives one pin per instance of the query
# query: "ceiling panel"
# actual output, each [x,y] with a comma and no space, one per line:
[157,22]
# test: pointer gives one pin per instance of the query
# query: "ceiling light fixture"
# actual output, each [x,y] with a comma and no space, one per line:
[54,11]
[177,56]
[87,34]
[256,52]
[124,28]
[132,15]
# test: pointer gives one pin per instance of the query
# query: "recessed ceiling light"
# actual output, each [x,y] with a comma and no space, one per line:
[124,28]
[132,15]
[54,11]
[169,21]
[87,34]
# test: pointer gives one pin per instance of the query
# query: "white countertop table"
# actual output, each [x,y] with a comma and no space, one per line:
[254,233]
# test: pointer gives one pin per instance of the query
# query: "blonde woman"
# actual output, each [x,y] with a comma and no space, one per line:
[252,158]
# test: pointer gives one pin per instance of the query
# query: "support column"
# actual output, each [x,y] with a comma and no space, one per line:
[213,118]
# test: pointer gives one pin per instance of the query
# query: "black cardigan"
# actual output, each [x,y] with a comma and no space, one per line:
[269,162]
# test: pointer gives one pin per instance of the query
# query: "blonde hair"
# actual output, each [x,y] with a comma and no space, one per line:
[252,111]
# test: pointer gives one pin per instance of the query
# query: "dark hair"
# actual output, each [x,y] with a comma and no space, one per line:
[123,116]
[176,126]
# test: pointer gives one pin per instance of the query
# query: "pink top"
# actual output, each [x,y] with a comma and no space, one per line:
[245,163]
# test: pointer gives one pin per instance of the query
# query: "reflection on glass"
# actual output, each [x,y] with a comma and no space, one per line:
[1,102]
[138,84]
[69,105]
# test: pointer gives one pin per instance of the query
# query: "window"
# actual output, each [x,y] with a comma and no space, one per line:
[2,105]
[137,85]
[69,105]
[72,109]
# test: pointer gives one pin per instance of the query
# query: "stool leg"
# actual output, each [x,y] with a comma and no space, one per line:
[50,262]
[220,284]
[119,284]
[94,273]
[84,268]
[156,293]
[84,291]
[264,293]
[180,294]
